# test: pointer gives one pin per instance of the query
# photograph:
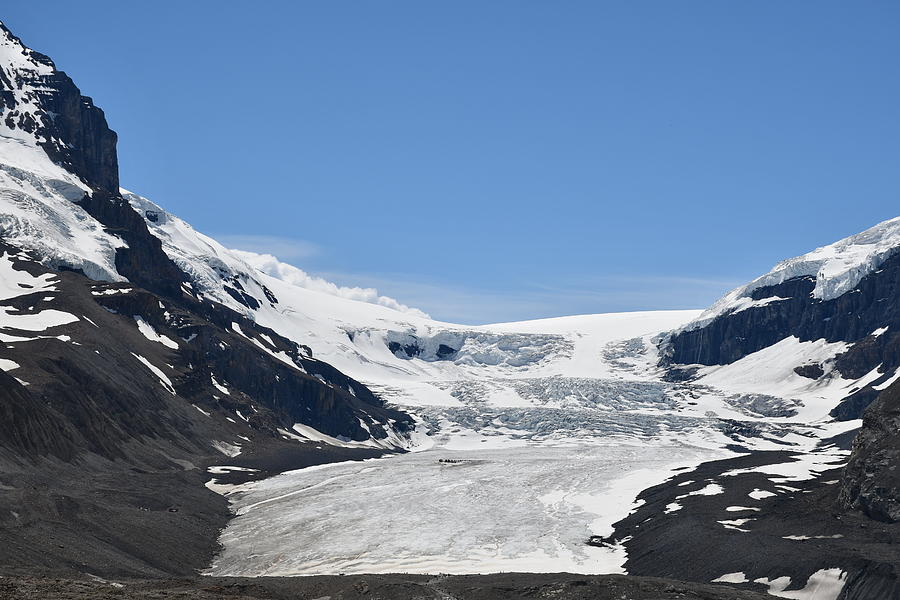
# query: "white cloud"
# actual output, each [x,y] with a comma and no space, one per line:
[272,266]
[282,247]
[476,306]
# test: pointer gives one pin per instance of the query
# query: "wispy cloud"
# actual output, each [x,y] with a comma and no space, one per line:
[286,272]
[473,305]
[285,248]
[479,305]
[640,292]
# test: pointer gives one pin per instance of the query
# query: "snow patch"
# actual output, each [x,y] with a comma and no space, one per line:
[151,334]
[163,379]
[711,489]
[219,386]
[226,448]
[758,494]
[738,577]
[825,584]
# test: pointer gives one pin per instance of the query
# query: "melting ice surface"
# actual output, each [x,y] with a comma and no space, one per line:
[514,509]
[521,464]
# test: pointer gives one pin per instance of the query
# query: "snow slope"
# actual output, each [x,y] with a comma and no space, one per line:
[590,372]
[37,210]
[537,434]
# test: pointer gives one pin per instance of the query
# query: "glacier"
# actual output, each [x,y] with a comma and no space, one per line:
[516,461]
[575,407]
[444,512]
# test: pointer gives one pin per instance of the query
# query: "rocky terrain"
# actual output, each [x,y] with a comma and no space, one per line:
[870,482]
[757,513]
[865,316]
[371,587]
[120,383]
[760,526]
[138,358]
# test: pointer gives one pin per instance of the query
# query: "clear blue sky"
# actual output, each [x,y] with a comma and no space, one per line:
[500,160]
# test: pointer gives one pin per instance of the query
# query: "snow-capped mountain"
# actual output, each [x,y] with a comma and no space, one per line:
[60,207]
[824,328]
[827,315]
[835,269]
[141,355]
[113,366]
[135,347]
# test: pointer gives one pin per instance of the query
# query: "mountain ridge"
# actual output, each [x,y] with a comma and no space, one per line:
[113,367]
[139,357]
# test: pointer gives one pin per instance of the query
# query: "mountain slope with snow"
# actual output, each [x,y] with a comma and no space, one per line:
[827,318]
[836,269]
[60,206]
[116,374]
[143,359]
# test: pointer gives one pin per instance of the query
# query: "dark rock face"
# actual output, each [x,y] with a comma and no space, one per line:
[798,287]
[243,297]
[871,480]
[70,128]
[813,371]
[414,349]
[105,432]
[143,261]
[663,543]
[853,406]
[851,317]
[92,145]
[410,350]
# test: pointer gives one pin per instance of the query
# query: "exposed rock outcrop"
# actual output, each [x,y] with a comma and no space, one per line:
[111,414]
[71,130]
[850,317]
[871,479]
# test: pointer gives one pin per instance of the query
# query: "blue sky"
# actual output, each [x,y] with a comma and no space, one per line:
[501,160]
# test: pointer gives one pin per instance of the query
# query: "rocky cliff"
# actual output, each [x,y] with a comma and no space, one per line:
[120,380]
[871,479]
[865,316]
[42,102]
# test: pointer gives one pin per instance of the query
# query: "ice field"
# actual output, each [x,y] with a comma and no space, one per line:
[516,509]
[532,437]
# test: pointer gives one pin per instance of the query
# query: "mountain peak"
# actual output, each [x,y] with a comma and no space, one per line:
[41,106]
